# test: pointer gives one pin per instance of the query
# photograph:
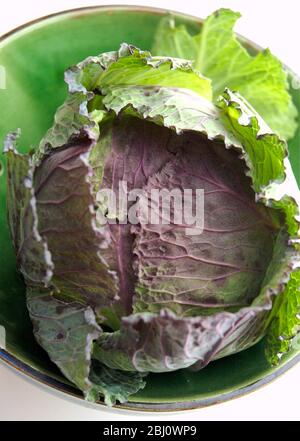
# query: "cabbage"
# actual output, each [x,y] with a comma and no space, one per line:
[219,55]
[112,300]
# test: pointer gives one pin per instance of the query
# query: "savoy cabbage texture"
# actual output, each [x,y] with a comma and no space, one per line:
[219,55]
[111,302]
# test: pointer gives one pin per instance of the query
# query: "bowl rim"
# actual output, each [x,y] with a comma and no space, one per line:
[94,8]
[65,389]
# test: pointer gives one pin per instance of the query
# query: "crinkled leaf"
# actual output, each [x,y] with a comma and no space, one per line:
[64,327]
[195,267]
[285,196]
[286,320]
[277,188]
[82,111]
[66,330]
[33,256]
[125,167]
[72,123]
[266,157]
[67,220]
[264,151]
[133,71]
[164,341]
[132,67]
[255,144]
[177,109]
[218,54]
[114,385]
[285,260]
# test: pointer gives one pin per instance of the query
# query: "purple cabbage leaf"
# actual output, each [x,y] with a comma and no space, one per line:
[112,300]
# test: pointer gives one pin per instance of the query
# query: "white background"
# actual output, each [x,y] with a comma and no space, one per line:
[270,23]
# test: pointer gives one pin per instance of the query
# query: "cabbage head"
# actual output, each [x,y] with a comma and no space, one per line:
[112,300]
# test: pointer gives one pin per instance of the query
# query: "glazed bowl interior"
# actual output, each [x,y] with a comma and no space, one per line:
[33,59]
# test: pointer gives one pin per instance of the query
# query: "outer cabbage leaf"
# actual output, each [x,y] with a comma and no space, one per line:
[33,256]
[65,209]
[177,109]
[64,330]
[218,54]
[284,263]
[174,40]
[285,322]
[265,156]
[128,66]
[72,124]
[285,196]
[132,67]
[61,300]
[264,151]
[278,190]
[171,85]
[113,384]
[165,342]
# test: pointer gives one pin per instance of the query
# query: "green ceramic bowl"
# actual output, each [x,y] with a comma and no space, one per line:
[34,58]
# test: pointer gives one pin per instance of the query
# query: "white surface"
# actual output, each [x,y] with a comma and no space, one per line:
[269,23]
[23,399]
